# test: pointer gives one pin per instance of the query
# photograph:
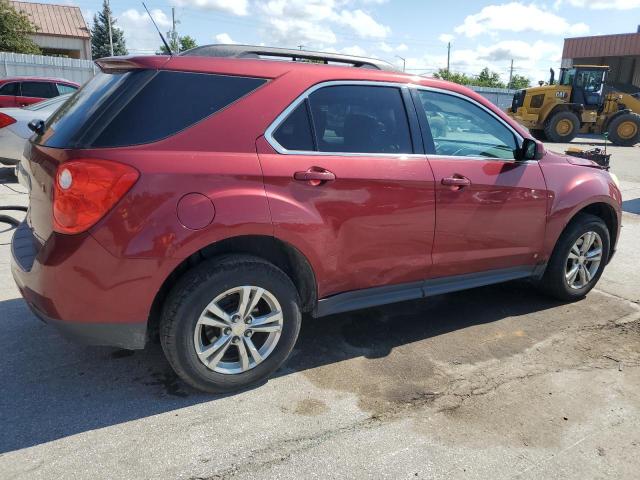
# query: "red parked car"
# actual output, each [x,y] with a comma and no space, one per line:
[214,197]
[23,91]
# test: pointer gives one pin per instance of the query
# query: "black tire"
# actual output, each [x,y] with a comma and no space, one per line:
[538,135]
[192,294]
[551,126]
[618,124]
[554,281]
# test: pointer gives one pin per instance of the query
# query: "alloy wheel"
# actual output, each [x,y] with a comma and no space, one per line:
[583,260]
[238,330]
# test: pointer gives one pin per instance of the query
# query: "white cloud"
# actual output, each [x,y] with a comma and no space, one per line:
[224,38]
[362,23]
[354,50]
[386,48]
[139,32]
[446,37]
[402,48]
[312,22]
[600,4]
[517,17]
[234,7]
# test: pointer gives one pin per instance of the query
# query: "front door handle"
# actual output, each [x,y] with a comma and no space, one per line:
[456,181]
[315,176]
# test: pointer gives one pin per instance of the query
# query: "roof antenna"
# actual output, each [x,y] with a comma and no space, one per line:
[159,33]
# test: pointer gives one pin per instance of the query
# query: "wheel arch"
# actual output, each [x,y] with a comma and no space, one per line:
[282,254]
[607,213]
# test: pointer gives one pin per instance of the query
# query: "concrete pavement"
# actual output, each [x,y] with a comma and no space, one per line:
[497,382]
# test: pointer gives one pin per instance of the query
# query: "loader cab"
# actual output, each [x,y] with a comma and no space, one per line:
[587,84]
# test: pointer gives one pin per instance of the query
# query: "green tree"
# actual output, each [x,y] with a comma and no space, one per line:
[461,78]
[100,35]
[177,43]
[519,81]
[15,28]
[487,78]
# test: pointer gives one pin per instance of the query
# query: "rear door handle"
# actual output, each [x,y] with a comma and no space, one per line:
[456,181]
[315,176]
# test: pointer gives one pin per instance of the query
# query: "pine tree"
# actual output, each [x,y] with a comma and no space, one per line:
[14,27]
[100,35]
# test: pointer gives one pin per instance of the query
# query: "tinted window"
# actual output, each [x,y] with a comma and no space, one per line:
[38,89]
[63,89]
[295,132]
[360,119]
[9,89]
[141,106]
[461,128]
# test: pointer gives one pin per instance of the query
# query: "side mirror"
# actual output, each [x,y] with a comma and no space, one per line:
[528,151]
[36,126]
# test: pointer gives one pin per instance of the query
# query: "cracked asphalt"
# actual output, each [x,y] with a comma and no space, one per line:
[496,382]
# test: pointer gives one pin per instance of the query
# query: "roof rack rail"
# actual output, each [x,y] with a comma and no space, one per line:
[254,51]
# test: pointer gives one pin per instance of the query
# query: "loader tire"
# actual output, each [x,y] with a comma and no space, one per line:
[562,127]
[624,130]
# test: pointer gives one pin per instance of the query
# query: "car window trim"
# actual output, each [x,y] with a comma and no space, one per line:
[428,137]
[269,132]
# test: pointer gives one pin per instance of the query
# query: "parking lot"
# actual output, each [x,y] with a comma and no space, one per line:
[496,382]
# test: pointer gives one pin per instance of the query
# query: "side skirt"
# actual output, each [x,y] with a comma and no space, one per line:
[373,297]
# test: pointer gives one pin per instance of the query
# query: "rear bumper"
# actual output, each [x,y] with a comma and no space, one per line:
[73,283]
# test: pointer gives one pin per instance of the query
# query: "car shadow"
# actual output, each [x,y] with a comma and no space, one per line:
[631,206]
[52,388]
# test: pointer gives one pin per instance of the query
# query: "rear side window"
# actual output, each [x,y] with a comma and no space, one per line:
[9,89]
[141,106]
[360,119]
[38,89]
[63,88]
[295,132]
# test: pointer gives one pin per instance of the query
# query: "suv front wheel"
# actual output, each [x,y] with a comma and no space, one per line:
[230,323]
[578,259]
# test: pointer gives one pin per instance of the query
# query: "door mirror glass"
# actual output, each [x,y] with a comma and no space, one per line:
[528,151]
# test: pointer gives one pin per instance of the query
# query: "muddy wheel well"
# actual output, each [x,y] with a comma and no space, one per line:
[281,254]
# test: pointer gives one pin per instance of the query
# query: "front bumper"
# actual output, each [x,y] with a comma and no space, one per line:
[73,283]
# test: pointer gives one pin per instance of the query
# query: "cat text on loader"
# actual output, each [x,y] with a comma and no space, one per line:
[581,102]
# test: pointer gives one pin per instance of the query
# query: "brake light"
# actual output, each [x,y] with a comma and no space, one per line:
[85,190]
[6,120]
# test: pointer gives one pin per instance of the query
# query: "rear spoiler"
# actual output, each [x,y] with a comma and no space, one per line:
[128,63]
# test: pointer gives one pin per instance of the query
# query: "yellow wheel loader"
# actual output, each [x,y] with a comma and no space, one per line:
[581,102]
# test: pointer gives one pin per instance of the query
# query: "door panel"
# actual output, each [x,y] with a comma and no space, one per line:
[497,221]
[8,101]
[373,225]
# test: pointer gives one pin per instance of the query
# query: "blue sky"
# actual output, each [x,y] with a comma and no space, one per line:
[482,33]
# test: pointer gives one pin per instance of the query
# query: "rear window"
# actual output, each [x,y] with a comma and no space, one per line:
[141,106]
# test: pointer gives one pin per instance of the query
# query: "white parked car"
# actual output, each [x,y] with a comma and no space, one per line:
[14,127]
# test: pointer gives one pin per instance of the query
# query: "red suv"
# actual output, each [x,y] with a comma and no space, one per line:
[216,196]
[23,91]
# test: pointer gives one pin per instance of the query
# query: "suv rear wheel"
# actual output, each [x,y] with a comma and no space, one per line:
[578,259]
[230,323]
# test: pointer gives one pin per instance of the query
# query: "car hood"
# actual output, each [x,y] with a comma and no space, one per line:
[556,157]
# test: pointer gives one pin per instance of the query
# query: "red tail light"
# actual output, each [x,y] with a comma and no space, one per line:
[85,190]
[6,120]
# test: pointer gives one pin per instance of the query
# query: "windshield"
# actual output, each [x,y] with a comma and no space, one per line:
[48,103]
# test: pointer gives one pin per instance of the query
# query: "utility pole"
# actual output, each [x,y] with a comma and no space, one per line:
[109,23]
[510,74]
[300,47]
[448,55]
[174,35]
[404,62]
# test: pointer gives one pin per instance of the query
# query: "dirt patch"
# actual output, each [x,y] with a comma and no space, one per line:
[311,407]
[445,351]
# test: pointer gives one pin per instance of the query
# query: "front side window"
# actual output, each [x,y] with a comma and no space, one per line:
[9,89]
[462,129]
[38,90]
[568,76]
[360,119]
[590,80]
